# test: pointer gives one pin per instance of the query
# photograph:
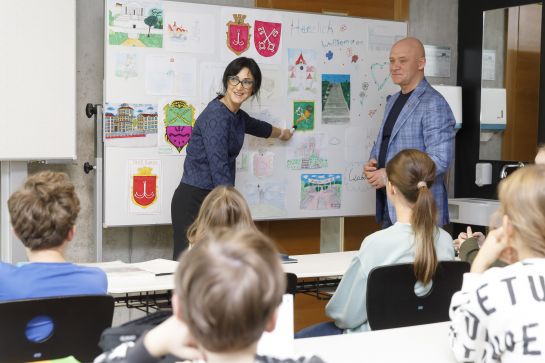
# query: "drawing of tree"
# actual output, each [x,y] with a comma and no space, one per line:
[150,21]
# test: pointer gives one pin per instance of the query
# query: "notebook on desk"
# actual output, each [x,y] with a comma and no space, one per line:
[287,259]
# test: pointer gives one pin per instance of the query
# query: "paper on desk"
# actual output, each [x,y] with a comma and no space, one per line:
[159,266]
[280,342]
[121,272]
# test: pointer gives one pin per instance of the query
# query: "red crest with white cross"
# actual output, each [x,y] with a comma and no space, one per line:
[238,34]
[267,37]
[144,187]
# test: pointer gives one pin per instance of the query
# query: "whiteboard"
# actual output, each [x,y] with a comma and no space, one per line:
[327,74]
[38,81]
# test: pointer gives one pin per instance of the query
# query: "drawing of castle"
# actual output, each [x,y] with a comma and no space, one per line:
[301,74]
[126,124]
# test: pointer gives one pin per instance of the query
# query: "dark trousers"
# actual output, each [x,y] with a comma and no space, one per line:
[184,208]
[384,220]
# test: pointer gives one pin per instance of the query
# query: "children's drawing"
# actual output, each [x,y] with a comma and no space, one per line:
[263,114]
[130,125]
[179,119]
[126,65]
[187,32]
[135,23]
[267,37]
[210,83]
[380,73]
[354,178]
[243,161]
[321,191]
[171,75]
[308,151]
[303,115]
[263,163]
[302,74]
[329,55]
[363,92]
[335,98]
[238,34]
[145,180]
[267,199]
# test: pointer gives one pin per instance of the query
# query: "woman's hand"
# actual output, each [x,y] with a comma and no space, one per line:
[285,134]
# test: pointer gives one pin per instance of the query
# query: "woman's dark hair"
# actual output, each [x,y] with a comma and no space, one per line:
[412,172]
[236,66]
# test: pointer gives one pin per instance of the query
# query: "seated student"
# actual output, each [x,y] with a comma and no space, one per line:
[468,243]
[499,314]
[43,215]
[228,289]
[224,206]
[413,238]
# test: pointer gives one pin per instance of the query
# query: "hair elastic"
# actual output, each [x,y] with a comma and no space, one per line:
[421,184]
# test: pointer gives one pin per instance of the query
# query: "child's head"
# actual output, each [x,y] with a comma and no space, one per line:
[522,197]
[44,210]
[224,206]
[540,156]
[411,173]
[228,288]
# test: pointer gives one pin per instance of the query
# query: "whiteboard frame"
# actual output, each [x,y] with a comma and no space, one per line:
[115,159]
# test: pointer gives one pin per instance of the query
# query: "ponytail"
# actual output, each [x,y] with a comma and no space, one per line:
[412,172]
[423,224]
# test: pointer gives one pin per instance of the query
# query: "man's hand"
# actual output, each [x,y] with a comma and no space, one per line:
[377,178]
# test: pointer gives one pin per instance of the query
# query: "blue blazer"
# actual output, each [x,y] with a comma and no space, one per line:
[425,123]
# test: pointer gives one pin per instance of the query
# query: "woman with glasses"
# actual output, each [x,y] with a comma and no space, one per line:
[216,141]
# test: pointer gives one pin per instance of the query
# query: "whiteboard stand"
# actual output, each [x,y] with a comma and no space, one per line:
[12,176]
[96,111]
[331,234]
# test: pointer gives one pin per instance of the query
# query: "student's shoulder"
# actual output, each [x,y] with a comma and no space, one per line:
[389,235]
[6,268]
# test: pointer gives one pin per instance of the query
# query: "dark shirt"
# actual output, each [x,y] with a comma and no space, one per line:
[216,141]
[389,126]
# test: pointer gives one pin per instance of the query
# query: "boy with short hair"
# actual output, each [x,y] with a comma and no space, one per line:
[43,214]
[228,289]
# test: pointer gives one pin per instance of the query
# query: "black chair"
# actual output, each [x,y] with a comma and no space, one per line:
[291,286]
[392,303]
[78,322]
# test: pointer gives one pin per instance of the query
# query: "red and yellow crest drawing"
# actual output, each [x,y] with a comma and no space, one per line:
[144,187]
[238,34]
[267,37]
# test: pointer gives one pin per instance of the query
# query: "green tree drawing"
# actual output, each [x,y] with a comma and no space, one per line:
[150,21]
[159,14]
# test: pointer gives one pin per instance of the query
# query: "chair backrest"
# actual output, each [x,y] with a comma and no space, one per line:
[291,285]
[78,322]
[392,303]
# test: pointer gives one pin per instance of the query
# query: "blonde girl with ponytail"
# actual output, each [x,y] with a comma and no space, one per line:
[414,238]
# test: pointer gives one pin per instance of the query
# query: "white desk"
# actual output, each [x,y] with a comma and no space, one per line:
[320,264]
[415,344]
[312,265]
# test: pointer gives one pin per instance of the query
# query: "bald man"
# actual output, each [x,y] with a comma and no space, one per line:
[417,117]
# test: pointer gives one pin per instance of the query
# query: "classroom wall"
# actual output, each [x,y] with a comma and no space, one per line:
[433,21]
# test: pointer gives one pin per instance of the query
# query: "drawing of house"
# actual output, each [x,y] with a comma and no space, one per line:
[129,18]
[301,74]
[126,124]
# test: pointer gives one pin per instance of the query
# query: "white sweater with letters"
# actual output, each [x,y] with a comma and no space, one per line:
[499,315]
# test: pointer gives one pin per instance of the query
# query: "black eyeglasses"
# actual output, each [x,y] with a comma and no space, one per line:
[246,83]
